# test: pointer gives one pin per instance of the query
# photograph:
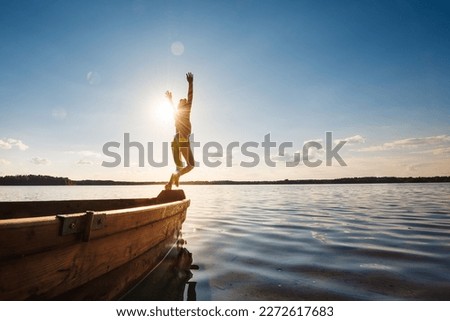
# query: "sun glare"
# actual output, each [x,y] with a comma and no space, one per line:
[163,112]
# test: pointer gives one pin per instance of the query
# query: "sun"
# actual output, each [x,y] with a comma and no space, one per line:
[163,112]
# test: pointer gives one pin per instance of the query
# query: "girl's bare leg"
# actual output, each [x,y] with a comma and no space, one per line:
[187,155]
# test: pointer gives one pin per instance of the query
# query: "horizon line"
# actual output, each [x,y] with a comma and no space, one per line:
[53,180]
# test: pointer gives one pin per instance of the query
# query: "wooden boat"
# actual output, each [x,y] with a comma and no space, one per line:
[87,249]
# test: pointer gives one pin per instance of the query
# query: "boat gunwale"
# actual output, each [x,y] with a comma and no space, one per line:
[50,219]
[46,233]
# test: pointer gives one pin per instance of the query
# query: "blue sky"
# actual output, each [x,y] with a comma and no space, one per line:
[78,74]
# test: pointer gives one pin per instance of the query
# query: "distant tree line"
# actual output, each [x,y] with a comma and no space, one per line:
[347,180]
[50,180]
[35,180]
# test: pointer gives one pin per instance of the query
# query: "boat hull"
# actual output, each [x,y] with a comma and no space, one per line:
[94,255]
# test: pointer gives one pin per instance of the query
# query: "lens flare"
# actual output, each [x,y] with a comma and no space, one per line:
[177,48]
[163,112]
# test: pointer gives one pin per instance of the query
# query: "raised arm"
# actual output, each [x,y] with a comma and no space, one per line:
[169,98]
[190,79]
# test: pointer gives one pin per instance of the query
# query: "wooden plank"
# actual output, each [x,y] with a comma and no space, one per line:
[117,282]
[10,210]
[120,220]
[22,209]
[21,237]
[27,236]
[65,268]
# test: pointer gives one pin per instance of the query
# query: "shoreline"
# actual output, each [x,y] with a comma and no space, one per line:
[40,180]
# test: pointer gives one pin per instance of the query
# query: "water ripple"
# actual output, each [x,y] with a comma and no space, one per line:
[364,242]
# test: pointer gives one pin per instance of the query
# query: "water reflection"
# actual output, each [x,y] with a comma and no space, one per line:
[170,280]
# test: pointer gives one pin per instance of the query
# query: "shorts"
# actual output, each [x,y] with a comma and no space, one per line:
[178,145]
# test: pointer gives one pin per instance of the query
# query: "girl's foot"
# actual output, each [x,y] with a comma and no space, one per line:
[168,186]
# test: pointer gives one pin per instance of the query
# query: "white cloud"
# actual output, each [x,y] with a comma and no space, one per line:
[93,78]
[441,151]
[319,140]
[4,162]
[357,139]
[314,154]
[10,143]
[409,143]
[4,144]
[287,157]
[40,161]
[85,162]
[298,157]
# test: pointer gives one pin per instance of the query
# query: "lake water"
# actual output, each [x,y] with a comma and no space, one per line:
[304,242]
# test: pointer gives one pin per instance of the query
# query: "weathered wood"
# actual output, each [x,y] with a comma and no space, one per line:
[51,208]
[63,269]
[20,237]
[28,209]
[88,226]
[23,237]
[171,195]
[117,282]
[37,262]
